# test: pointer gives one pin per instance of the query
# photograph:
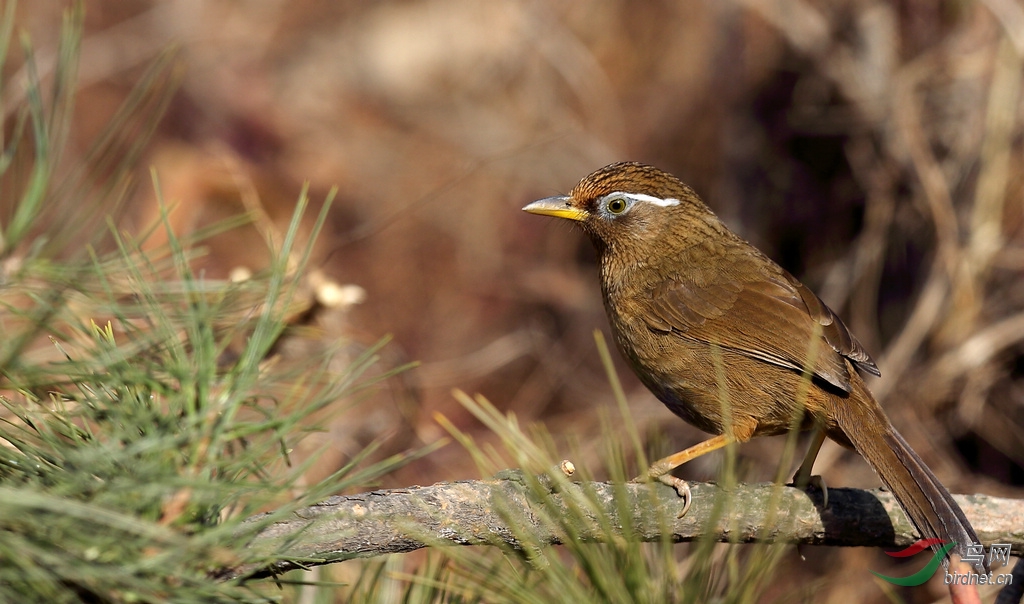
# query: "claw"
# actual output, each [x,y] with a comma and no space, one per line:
[818,482]
[815,481]
[682,489]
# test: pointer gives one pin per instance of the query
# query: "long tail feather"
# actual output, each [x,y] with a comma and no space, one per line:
[926,502]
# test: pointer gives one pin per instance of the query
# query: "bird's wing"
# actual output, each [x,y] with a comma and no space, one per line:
[772,318]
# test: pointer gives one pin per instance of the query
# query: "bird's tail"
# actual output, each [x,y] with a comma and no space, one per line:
[926,502]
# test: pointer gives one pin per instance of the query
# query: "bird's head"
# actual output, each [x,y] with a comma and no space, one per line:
[625,204]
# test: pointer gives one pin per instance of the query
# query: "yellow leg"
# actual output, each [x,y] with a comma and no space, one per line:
[660,469]
[667,464]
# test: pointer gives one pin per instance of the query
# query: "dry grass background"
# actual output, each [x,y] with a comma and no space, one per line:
[873,148]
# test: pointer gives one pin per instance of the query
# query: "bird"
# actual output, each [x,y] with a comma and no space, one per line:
[734,344]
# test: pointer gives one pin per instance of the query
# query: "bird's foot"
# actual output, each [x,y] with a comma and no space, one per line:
[816,481]
[681,487]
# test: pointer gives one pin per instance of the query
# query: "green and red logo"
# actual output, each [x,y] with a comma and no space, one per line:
[925,573]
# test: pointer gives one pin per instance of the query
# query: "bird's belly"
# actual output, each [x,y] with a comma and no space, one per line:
[717,389]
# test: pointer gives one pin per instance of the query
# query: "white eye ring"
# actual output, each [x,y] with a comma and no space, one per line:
[619,203]
[671,201]
[616,205]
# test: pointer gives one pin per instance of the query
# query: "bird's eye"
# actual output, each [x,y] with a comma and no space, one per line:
[616,205]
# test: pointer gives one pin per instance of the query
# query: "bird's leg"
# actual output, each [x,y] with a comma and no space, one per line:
[667,464]
[660,469]
[803,477]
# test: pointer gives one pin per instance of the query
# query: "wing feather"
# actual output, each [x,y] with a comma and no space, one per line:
[774,318]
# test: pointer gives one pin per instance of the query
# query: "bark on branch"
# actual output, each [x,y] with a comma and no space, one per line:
[515,511]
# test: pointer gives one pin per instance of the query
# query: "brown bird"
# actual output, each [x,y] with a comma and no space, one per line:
[734,344]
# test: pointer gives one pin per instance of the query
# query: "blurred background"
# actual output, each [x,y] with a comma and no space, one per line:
[873,148]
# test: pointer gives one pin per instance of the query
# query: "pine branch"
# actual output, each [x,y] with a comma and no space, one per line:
[519,511]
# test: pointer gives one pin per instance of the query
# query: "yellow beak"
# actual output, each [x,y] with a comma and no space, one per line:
[559,207]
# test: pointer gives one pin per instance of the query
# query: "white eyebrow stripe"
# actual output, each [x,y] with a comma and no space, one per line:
[671,201]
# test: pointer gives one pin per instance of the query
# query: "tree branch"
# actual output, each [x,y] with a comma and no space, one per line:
[512,510]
